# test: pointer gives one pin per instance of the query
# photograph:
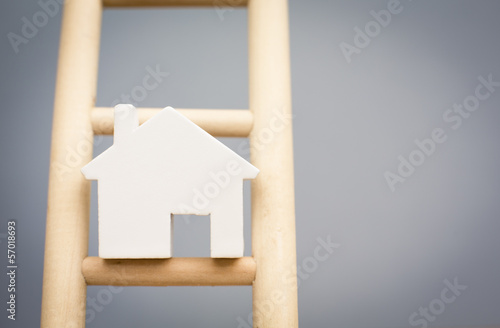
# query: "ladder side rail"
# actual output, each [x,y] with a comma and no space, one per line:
[271,146]
[66,239]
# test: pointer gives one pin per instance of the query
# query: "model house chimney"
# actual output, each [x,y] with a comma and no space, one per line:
[126,120]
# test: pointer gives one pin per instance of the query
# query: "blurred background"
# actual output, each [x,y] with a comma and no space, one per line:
[417,232]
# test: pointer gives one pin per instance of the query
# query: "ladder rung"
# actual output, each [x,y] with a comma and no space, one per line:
[177,271]
[217,122]
[175,3]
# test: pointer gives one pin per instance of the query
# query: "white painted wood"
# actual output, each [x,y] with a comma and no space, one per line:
[166,166]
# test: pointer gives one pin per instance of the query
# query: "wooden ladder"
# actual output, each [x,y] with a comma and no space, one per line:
[271,269]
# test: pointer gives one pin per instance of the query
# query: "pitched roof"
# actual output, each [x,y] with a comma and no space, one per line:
[172,134]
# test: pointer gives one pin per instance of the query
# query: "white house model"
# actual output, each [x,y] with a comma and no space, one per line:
[166,166]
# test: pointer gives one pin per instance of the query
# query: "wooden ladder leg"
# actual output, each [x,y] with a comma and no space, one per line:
[273,210]
[66,244]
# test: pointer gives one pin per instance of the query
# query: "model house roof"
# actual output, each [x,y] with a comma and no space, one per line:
[167,141]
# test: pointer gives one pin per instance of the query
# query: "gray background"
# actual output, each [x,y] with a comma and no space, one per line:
[351,123]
